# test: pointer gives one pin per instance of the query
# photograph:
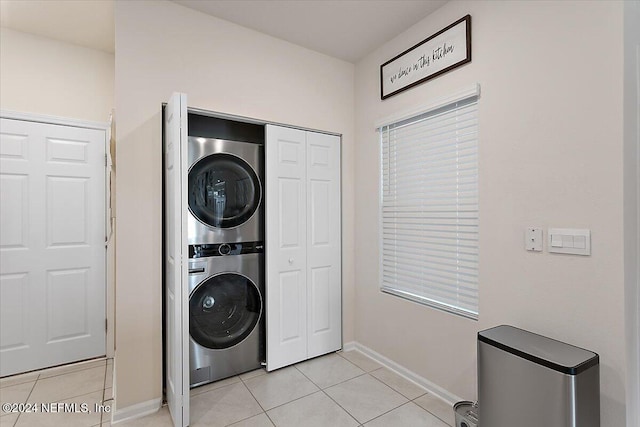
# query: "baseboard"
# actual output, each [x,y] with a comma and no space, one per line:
[136,411]
[430,387]
[348,346]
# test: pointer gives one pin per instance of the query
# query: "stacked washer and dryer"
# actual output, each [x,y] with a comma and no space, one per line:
[226,258]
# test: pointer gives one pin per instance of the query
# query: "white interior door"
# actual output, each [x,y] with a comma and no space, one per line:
[176,285]
[324,272]
[52,244]
[285,246]
[303,245]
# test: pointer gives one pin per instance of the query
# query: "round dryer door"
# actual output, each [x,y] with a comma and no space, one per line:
[223,310]
[224,191]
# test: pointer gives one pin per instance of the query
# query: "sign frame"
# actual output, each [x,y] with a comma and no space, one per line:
[428,59]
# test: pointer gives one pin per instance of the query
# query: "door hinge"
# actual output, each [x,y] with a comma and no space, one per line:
[106,161]
[106,325]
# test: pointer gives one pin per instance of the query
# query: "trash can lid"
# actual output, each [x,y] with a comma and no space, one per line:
[466,411]
[548,352]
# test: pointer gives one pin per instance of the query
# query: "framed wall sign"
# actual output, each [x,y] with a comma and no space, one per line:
[445,50]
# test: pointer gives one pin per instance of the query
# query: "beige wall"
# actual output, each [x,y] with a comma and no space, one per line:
[162,47]
[631,200]
[550,155]
[45,76]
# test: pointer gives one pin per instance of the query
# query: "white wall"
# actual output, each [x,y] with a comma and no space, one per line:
[45,76]
[550,155]
[162,47]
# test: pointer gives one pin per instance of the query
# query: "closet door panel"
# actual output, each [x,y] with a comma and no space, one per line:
[285,246]
[323,244]
[176,289]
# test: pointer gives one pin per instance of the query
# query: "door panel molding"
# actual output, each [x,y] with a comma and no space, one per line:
[303,245]
[58,222]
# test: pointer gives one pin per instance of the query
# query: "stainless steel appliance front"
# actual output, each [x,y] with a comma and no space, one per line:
[226,313]
[528,380]
[225,191]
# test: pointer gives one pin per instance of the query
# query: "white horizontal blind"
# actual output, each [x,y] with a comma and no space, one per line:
[430,208]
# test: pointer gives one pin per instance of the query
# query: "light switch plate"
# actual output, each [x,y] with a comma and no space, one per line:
[573,241]
[533,239]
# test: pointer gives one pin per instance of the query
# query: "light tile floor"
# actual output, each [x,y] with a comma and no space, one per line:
[339,389]
[78,391]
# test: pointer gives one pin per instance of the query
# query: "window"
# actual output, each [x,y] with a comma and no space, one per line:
[430,206]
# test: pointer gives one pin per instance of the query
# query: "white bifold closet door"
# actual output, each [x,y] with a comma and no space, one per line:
[176,285]
[302,245]
[52,244]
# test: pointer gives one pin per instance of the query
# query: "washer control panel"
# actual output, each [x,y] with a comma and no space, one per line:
[224,249]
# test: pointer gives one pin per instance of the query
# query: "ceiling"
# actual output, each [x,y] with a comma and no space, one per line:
[345,29]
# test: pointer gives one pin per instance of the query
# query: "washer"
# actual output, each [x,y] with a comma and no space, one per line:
[226,310]
[225,191]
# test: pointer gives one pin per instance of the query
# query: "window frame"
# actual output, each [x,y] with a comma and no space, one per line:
[461,95]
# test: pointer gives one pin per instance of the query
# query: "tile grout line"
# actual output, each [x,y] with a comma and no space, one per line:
[39,375]
[201,387]
[330,398]
[358,376]
[254,398]
[104,387]
[269,418]
[19,383]
[332,385]
[251,393]
[391,370]
[323,390]
[342,354]
[387,385]
[342,407]
[393,388]
[15,423]
[286,403]
[397,391]
[78,395]
[435,415]
[391,410]
[338,383]
[411,400]
[229,385]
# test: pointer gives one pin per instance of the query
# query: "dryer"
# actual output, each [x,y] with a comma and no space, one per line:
[226,310]
[225,191]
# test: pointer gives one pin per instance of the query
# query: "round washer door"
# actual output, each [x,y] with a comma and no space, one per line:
[224,310]
[224,191]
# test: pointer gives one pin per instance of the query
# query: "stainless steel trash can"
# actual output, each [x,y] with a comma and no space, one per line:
[466,414]
[528,380]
